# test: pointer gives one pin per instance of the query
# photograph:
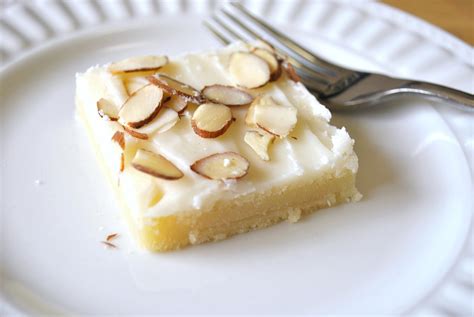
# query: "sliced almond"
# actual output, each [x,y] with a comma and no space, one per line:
[211,120]
[141,107]
[111,237]
[177,103]
[138,64]
[133,84]
[222,166]
[155,165]
[276,120]
[122,162]
[164,121]
[175,87]
[259,101]
[119,137]
[250,116]
[107,109]
[117,92]
[135,134]
[271,59]
[108,244]
[227,95]
[291,72]
[259,142]
[268,115]
[265,45]
[249,70]
[276,75]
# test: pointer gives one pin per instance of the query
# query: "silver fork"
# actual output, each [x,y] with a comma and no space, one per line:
[336,87]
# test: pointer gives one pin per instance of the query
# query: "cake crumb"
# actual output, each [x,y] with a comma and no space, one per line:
[329,202]
[192,237]
[101,228]
[358,196]
[294,214]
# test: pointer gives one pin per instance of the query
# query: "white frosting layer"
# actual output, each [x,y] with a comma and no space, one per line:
[314,147]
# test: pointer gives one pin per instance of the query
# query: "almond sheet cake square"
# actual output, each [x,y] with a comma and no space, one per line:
[207,145]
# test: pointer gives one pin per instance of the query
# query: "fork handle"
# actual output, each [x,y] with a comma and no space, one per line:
[370,89]
[444,93]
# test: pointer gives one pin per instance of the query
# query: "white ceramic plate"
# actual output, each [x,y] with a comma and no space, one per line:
[405,248]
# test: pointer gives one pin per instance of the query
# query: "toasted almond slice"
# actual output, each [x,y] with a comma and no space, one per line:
[276,120]
[271,59]
[117,93]
[138,64]
[268,115]
[141,107]
[164,121]
[227,95]
[133,84]
[259,101]
[177,103]
[107,109]
[222,166]
[175,87]
[166,97]
[155,165]
[109,245]
[249,70]
[119,137]
[265,45]
[276,75]
[135,133]
[250,116]
[111,237]
[211,120]
[259,142]
[291,72]
[122,162]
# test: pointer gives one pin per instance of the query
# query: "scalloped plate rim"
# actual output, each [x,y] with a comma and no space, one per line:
[72,35]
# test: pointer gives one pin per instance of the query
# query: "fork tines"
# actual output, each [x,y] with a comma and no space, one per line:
[234,22]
